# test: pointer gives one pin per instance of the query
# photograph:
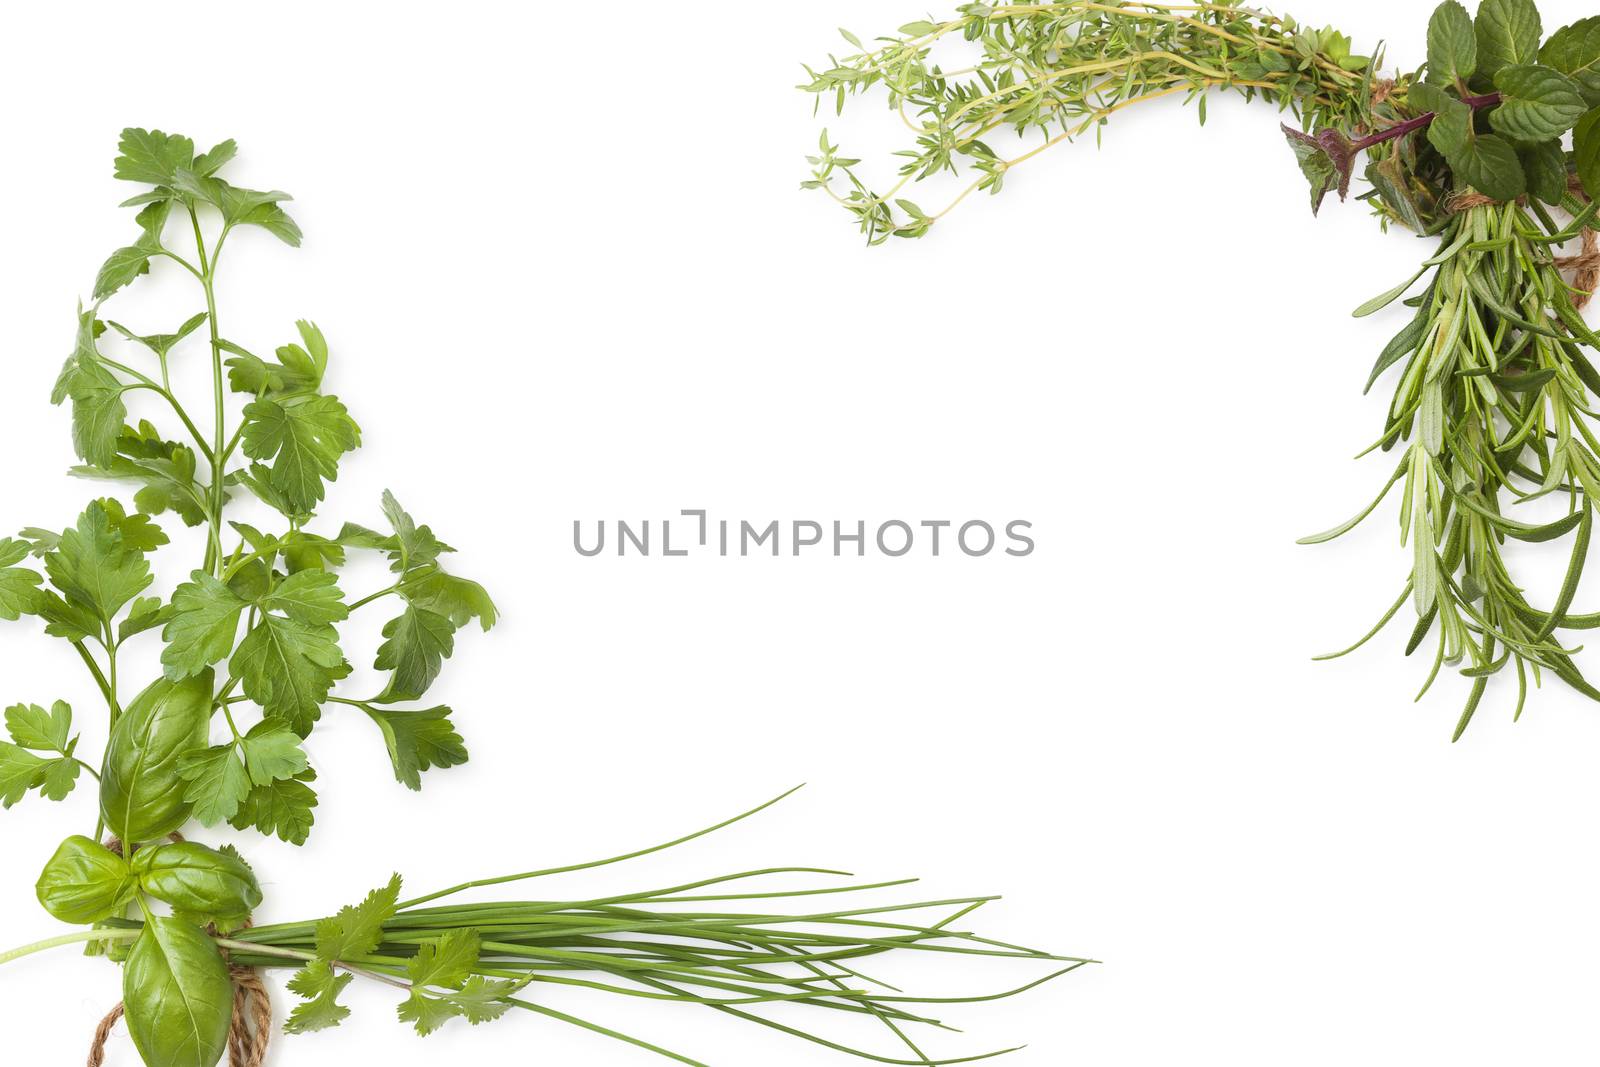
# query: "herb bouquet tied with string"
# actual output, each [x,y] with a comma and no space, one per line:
[250,661]
[1490,151]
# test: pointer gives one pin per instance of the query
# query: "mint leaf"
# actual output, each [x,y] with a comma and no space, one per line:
[1537,103]
[303,442]
[1586,152]
[1508,32]
[1452,45]
[288,666]
[218,783]
[282,808]
[1490,165]
[1327,160]
[1575,51]
[416,646]
[204,622]
[419,741]
[31,726]
[93,567]
[1545,164]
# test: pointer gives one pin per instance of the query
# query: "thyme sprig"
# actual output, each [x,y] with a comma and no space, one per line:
[1492,409]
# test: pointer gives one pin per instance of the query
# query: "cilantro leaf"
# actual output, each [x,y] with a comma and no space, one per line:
[303,442]
[427,1013]
[419,741]
[92,565]
[282,808]
[357,929]
[445,962]
[321,1009]
[204,621]
[418,642]
[288,666]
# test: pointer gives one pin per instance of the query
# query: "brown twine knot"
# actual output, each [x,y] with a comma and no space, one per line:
[249,1029]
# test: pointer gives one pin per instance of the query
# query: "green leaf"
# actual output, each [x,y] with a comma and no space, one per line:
[200,882]
[19,586]
[1586,152]
[204,622]
[165,469]
[457,599]
[1490,165]
[177,995]
[84,882]
[311,597]
[141,792]
[282,808]
[97,410]
[427,1013]
[298,370]
[416,646]
[357,929]
[1509,32]
[161,344]
[218,783]
[1536,103]
[121,268]
[288,666]
[59,778]
[419,741]
[20,771]
[92,565]
[272,753]
[43,731]
[146,613]
[321,1009]
[1575,51]
[1451,129]
[152,157]
[446,962]
[1452,45]
[413,545]
[303,442]
[1545,165]
[1326,160]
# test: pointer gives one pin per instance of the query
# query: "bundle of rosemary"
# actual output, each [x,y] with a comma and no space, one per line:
[251,660]
[1491,406]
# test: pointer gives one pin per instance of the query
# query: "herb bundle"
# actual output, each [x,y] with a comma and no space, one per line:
[251,660]
[1491,406]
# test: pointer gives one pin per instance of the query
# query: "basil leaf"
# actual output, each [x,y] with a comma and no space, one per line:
[141,791]
[200,882]
[176,995]
[84,882]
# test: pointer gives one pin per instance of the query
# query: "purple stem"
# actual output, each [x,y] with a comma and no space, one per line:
[1395,132]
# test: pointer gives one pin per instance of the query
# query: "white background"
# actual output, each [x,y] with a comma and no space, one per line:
[566,273]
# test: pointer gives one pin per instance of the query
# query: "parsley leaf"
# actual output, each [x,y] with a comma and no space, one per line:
[19,586]
[34,730]
[93,566]
[311,597]
[288,666]
[204,622]
[457,599]
[303,441]
[419,741]
[218,783]
[282,808]
[418,642]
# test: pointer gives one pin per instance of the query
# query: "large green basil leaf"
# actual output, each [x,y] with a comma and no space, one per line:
[85,882]
[177,996]
[141,792]
[201,882]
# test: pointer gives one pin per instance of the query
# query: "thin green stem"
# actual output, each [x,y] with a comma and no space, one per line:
[75,938]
